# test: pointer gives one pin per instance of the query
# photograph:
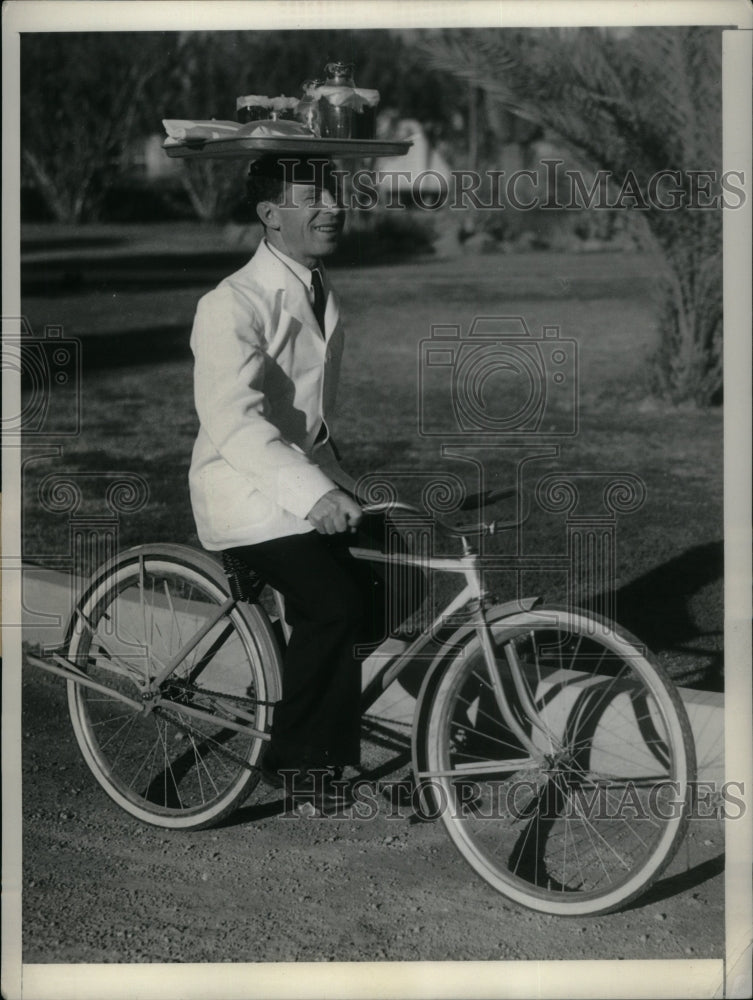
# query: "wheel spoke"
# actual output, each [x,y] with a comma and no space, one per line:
[571,831]
[166,764]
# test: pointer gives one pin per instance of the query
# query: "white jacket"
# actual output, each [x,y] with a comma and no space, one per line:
[264,383]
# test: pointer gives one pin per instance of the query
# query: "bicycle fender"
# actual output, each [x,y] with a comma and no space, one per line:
[255,617]
[208,562]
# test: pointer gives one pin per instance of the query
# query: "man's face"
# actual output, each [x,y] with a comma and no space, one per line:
[308,224]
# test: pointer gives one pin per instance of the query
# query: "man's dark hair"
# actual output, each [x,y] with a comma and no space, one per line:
[265,182]
[268,176]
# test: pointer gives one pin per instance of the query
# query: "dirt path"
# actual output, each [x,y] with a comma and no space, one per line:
[100,887]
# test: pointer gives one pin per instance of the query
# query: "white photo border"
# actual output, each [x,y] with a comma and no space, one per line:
[731,977]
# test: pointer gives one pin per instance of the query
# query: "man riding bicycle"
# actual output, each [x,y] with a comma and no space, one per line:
[267,488]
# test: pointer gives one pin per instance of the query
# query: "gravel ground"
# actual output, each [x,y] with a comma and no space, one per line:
[98,887]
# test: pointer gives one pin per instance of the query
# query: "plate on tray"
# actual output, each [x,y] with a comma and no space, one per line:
[248,148]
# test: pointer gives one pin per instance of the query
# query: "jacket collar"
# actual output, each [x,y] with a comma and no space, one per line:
[301,272]
[267,269]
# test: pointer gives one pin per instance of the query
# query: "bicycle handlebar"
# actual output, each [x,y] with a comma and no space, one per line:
[475,501]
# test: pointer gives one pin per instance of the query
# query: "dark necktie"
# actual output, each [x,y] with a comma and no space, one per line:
[320,301]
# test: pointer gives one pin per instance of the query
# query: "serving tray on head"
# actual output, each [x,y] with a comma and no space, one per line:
[249,148]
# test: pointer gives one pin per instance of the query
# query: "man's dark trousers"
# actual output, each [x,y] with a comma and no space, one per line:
[333,603]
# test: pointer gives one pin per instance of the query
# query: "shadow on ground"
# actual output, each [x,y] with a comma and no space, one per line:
[103,275]
[655,608]
[131,348]
[74,242]
[674,885]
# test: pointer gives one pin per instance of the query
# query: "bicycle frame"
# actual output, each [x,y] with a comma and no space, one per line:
[471,599]
[470,603]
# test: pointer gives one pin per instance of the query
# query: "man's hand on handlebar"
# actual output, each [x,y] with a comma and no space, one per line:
[334,513]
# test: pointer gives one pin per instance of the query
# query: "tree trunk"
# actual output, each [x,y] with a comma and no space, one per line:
[472,127]
[688,364]
[54,198]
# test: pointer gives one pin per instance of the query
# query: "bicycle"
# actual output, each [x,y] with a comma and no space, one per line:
[556,750]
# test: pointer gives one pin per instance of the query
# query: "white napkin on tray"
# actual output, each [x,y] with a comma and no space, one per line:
[180,130]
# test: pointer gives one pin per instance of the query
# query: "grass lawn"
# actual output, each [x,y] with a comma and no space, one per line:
[128,293]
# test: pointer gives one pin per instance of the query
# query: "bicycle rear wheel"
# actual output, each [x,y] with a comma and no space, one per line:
[188,757]
[592,818]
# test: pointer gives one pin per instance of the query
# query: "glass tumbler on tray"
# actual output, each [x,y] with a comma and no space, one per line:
[336,114]
[308,111]
[283,108]
[253,108]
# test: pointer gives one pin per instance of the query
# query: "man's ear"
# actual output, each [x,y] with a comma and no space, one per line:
[268,214]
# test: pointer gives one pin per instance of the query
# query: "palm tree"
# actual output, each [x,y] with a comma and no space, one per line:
[643,101]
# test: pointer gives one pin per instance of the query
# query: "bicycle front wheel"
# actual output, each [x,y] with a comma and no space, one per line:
[590,817]
[187,755]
